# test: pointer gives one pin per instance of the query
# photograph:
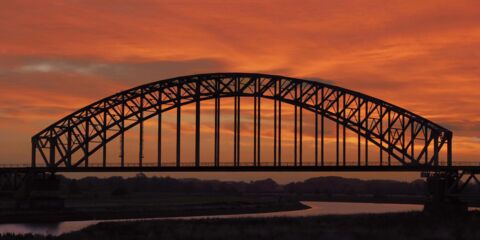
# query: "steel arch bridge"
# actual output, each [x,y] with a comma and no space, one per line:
[406,141]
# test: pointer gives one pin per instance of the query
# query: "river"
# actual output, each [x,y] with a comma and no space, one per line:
[316,209]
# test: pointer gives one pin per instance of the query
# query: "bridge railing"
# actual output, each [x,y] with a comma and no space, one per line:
[206,164]
[15,165]
[466,163]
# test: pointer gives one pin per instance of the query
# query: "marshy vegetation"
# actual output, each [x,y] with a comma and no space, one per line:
[412,225]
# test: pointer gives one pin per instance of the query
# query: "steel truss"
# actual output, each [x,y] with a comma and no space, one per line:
[403,136]
[454,184]
[464,179]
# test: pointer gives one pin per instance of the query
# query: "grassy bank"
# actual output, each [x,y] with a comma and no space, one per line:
[412,225]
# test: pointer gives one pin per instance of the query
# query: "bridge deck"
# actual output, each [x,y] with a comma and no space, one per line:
[469,168]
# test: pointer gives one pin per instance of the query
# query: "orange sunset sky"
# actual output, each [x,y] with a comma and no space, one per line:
[58,56]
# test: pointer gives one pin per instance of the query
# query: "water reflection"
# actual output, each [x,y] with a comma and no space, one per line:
[316,209]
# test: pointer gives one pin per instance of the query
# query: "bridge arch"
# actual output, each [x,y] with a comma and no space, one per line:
[410,139]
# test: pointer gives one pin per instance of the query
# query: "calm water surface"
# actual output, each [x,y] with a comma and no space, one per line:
[316,209]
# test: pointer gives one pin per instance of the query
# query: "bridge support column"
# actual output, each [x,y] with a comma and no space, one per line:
[443,194]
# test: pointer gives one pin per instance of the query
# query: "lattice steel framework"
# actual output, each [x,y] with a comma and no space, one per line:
[400,135]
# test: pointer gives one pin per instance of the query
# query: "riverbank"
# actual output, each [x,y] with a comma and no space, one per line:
[180,205]
[173,205]
[410,225]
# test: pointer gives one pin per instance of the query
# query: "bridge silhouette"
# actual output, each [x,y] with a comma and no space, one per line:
[394,130]
[405,140]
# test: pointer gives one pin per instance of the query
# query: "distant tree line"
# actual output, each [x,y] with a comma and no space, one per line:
[318,185]
[339,185]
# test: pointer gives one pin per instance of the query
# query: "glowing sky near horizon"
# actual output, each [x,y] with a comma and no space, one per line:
[58,56]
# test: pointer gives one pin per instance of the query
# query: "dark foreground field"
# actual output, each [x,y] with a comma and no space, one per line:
[413,225]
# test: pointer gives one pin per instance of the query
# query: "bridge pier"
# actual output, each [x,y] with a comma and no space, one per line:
[444,189]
